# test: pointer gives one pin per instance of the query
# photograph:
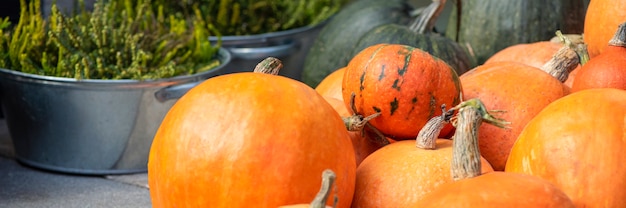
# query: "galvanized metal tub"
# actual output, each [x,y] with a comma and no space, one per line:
[92,127]
[290,46]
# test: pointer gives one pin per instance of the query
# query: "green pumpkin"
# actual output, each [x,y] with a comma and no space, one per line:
[420,35]
[488,26]
[332,49]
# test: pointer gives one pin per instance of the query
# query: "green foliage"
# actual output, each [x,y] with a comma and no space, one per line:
[119,39]
[246,17]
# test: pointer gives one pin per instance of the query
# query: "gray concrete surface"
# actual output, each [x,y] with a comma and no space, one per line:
[23,186]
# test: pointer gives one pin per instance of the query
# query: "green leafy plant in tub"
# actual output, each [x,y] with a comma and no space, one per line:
[119,39]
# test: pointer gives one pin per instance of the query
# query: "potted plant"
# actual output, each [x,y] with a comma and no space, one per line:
[254,30]
[84,93]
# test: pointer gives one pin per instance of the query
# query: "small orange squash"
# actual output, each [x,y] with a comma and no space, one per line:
[578,143]
[244,140]
[607,69]
[405,84]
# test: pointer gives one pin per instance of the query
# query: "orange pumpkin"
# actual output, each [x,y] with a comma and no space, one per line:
[497,189]
[601,19]
[405,84]
[579,144]
[536,54]
[520,90]
[607,69]
[330,86]
[363,144]
[245,140]
[399,174]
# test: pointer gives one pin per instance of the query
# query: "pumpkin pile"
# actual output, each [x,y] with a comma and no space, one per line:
[395,125]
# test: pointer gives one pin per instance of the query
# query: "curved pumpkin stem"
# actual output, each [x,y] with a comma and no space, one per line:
[564,61]
[466,160]
[428,17]
[269,65]
[357,122]
[427,136]
[328,178]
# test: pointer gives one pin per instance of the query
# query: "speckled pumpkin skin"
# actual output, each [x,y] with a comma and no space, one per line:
[406,84]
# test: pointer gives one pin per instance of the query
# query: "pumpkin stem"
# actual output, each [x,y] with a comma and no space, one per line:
[619,39]
[425,22]
[427,137]
[564,61]
[583,53]
[328,178]
[269,65]
[466,161]
[574,41]
[486,115]
[357,122]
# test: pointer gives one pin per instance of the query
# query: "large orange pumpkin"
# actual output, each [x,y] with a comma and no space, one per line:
[579,144]
[607,69]
[601,19]
[405,84]
[520,91]
[249,140]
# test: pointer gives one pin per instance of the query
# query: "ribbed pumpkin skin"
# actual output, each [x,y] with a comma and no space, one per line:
[601,21]
[400,174]
[579,144]
[407,85]
[497,189]
[605,70]
[435,44]
[330,86]
[246,140]
[332,49]
[519,90]
[489,26]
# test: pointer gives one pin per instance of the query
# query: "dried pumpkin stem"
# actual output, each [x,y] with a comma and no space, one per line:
[269,65]
[357,122]
[619,39]
[427,136]
[428,17]
[564,61]
[466,160]
[328,178]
